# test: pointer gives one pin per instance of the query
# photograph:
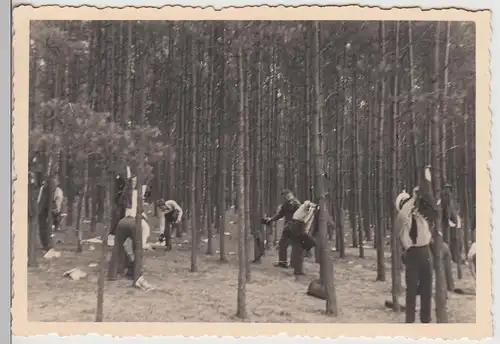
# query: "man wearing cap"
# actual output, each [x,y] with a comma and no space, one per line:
[285,210]
[415,236]
[170,214]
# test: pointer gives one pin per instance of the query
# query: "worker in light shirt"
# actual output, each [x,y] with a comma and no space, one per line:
[301,222]
[415,236]
[169,214]
[131,211]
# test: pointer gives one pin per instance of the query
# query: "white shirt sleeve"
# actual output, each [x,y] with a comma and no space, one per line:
[58,198]
[403,222]
[161,218]
[176,206]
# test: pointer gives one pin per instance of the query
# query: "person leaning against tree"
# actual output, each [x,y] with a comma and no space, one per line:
[415,236]
[286,210]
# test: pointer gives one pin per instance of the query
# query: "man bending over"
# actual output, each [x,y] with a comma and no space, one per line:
[170,214]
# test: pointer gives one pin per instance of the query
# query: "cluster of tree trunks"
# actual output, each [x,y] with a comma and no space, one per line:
[246,109]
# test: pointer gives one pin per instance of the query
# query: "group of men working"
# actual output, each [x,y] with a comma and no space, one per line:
[169,214]
[417,214]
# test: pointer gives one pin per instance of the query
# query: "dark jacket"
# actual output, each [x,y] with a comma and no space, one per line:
[286,210]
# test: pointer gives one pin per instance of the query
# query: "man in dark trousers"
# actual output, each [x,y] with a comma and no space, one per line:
[415,236]
[286,210]
[259,247]
[45,220]
[302,241]
[120,261]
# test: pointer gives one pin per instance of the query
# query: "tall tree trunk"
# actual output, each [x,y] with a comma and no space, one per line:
[414,132]
[83,196]
[395,251]
[380,237]
[242,249]
[440,295]
[222,158]
[104,247]
[194,128]
[326,260]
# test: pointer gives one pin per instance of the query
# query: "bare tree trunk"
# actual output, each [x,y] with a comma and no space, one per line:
[83,195]
[242,249]
[222,152]
[416,151]
[194,123]
[380,237]
[104,249]
[326,260]
[33,217]
[440,295]
[395,251]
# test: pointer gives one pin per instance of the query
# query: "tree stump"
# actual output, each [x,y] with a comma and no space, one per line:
[317,290]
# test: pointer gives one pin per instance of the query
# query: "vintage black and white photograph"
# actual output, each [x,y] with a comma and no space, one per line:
[295,171]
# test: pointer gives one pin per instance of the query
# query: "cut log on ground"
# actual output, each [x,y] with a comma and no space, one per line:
[317,290]
[389,305]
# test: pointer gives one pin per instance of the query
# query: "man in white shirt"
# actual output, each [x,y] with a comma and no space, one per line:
[131,211]
[57,205]
[415,236]
[301,240]
[170,214]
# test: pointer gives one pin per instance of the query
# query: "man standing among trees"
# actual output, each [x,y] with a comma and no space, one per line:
[301,240]
[286,210]
[415,236]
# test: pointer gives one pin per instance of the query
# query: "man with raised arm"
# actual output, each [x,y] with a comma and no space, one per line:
[285,210]
[415,236]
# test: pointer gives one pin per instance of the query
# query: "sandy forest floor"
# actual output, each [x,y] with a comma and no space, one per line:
[209,295]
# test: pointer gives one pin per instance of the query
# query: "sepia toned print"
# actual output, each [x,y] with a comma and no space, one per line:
[275,166]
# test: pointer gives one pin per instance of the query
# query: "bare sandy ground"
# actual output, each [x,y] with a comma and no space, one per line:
[209,295]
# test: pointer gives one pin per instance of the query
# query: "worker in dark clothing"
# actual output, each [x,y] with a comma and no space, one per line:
[120,259]
[259,247]
[286,210]
[120,262]
[45,220]
[415,236]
